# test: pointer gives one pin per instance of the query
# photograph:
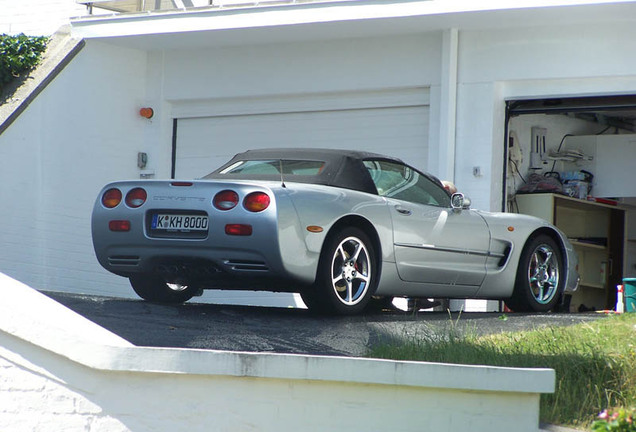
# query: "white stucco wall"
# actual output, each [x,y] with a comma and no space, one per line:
[521,63]
[303,67]
[82,131]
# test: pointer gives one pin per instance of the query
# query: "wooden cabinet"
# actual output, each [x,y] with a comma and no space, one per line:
[597,232]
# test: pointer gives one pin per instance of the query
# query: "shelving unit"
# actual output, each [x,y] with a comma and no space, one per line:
[597,232]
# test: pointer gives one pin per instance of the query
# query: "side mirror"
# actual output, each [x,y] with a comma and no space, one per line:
[460,202]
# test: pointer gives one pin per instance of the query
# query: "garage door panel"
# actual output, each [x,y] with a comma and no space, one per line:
[203,144]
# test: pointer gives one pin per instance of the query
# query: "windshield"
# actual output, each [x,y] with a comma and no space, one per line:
[273,166]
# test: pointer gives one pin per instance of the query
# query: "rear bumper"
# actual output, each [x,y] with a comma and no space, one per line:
[214,257]
[205,267]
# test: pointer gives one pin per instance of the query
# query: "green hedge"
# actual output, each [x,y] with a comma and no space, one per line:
[18,55]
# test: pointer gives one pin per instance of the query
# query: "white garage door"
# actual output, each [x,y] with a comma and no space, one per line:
[401,129]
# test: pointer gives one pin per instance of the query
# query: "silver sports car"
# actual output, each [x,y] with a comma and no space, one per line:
[342,228]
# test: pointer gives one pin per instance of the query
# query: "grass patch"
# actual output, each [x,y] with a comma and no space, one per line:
[595,362]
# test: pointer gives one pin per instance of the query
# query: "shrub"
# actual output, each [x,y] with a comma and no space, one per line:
[18,55]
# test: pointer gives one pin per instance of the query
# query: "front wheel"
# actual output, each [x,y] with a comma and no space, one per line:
[155,289]
[347,273]
[540,276]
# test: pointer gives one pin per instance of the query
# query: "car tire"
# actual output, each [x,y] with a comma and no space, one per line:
[311,298]
[540,276]
[347,273]
[155,289]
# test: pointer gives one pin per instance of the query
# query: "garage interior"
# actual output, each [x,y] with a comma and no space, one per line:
[570,161]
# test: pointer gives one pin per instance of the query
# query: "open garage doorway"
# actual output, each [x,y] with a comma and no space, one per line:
[571,162]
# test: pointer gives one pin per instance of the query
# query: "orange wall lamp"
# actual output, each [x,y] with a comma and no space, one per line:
[147,112]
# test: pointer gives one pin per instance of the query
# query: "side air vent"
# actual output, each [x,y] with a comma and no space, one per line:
[241,265]
[506,254]
[123,260]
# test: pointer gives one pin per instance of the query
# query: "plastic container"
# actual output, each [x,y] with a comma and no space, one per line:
[630,294]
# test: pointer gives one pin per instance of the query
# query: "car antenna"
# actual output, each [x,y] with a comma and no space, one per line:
[282,180]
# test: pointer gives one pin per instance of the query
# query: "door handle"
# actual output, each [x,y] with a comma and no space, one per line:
[403,211]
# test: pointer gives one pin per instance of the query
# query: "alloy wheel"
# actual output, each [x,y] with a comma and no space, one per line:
[543,274]
[351,271]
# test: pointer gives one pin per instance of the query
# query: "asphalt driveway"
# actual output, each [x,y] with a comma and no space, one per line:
[285,330]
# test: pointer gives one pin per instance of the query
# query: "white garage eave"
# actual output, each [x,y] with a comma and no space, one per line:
[193,28]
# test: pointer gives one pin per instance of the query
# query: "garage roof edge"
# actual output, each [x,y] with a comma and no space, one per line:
[438,14]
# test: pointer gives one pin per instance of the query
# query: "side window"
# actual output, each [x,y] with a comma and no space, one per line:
[401,182]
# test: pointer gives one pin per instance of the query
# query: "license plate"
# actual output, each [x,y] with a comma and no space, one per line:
[179,223]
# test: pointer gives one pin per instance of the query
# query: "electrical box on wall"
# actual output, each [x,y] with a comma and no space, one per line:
[142,160]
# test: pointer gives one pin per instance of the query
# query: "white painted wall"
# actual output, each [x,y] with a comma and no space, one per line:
[613,164]
[303,67]
[497,65]
[37,17]
[82,131]
[59,371]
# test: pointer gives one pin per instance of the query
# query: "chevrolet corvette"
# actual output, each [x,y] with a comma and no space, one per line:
[342,228]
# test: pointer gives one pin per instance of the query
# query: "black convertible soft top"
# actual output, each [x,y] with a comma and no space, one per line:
[343,168]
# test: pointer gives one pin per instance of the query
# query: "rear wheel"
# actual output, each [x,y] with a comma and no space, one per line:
[347,274]
[311,298]
[540,276]
[155,289]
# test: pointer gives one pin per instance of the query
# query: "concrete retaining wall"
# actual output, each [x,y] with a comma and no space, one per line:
[59,371]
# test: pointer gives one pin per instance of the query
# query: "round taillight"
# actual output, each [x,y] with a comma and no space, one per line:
[226,200]
[111,198]
[136,197]
[256,201]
